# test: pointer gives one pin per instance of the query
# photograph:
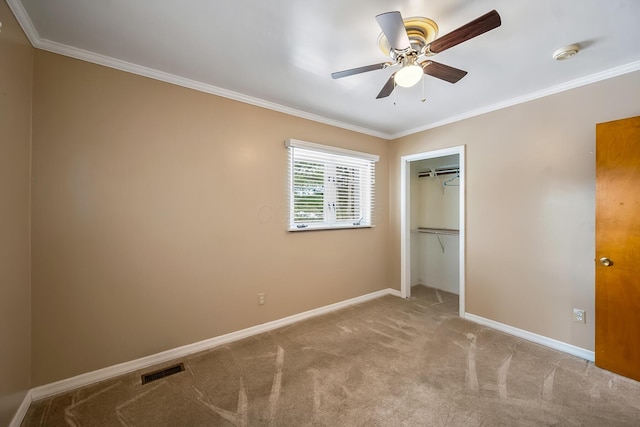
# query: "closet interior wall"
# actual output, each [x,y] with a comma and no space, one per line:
[435,246]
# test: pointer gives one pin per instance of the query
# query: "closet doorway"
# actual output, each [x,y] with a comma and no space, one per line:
[433,221]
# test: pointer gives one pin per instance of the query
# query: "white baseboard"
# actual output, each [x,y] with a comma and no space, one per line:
[530,336]
[22,410]
[82,380]
[88,378]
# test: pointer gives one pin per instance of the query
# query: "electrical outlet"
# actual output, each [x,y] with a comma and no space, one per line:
[261,298]
[579,316]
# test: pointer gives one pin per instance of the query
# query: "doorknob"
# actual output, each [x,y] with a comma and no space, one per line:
[606,262]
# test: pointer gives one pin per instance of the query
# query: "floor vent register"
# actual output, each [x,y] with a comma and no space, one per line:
[163,373]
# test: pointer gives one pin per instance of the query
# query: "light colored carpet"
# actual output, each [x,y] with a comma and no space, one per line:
[387,362]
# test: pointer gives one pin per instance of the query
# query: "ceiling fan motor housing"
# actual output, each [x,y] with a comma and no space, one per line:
[421,31]
[410,41]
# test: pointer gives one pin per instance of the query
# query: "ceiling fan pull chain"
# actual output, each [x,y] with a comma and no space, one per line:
[423,97]
[394,93]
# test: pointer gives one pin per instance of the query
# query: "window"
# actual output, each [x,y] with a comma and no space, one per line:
[329,187]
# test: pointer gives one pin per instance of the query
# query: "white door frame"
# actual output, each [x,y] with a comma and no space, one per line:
[405,220]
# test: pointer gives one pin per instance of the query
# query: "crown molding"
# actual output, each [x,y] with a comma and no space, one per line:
[152,73]
[27,25]
[582,81]
[25,21]
[51,46]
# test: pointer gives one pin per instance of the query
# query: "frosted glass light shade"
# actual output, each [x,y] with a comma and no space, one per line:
[409,75]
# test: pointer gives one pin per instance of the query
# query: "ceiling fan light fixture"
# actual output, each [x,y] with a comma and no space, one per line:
[409,75]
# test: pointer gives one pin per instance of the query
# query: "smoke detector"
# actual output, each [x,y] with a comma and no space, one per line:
[566,52]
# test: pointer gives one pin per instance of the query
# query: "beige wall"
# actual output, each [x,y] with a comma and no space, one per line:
[530,200]
[16,60]
[159,215]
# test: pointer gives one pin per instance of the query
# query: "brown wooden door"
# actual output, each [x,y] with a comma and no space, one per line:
[618,239]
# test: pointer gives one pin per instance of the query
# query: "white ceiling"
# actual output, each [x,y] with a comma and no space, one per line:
[280,53]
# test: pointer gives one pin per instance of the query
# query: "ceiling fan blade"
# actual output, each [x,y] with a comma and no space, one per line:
[393,28]
[388,87]
[443,72]
[351,72]
[478,26]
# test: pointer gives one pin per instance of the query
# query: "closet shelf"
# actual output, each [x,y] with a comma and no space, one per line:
[447,231]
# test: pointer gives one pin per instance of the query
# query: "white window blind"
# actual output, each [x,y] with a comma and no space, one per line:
[329,187]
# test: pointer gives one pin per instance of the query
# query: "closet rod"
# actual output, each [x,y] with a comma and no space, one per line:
[429,230]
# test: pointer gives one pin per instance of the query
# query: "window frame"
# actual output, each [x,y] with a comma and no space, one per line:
[364,162]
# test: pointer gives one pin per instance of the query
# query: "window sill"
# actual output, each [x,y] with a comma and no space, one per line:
[334,227]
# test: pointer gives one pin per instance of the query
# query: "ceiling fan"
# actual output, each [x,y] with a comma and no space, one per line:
[412,41]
